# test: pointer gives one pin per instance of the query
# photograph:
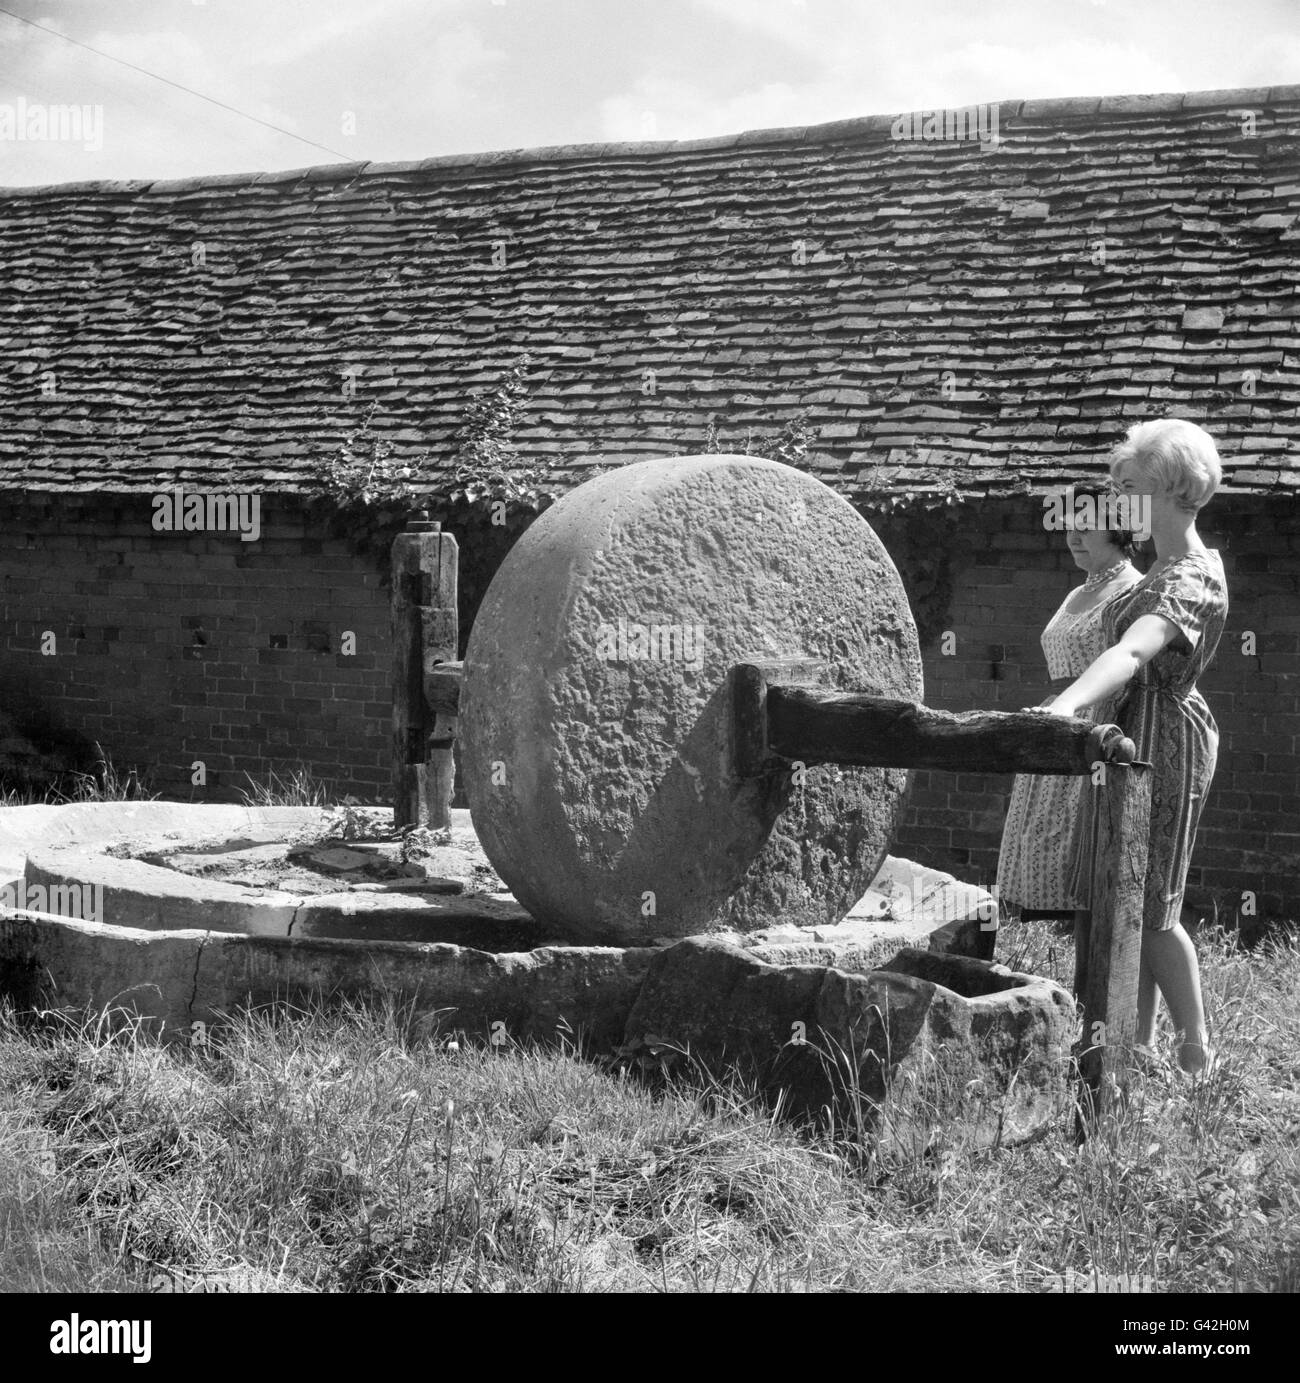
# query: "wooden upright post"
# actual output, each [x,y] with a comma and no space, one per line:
[1108,987]
[439,645]
[424,633]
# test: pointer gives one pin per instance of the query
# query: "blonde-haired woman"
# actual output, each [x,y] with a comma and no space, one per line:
[1161,635]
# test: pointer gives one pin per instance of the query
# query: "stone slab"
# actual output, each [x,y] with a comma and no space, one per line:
[923,1033]
[178,978]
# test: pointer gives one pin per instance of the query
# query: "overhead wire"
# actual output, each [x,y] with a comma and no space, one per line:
[180,86]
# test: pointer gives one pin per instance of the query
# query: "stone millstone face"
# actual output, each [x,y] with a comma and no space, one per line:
[596,714]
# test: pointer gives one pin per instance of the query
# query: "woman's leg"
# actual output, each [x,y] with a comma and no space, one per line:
[1148,1002]
[1148,996]
[1171,958]
[1082,934]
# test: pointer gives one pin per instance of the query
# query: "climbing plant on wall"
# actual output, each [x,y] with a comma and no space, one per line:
[487,492]
[790,445]
[482,489]
[367,488]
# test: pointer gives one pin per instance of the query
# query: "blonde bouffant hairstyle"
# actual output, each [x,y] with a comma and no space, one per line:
[1177,455]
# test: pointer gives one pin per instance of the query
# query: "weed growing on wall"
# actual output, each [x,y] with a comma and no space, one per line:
[367,488]
[790,445]
[485,466]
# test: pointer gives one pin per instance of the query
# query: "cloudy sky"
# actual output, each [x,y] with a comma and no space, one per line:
[406,79]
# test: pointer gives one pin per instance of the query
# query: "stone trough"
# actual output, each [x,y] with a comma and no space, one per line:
[138,906]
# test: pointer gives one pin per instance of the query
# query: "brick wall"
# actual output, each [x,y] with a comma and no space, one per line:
[1006,586]
[176,648]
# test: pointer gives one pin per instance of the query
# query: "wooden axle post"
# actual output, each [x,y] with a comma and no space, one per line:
[424,633]
[1107,990]
[781,716]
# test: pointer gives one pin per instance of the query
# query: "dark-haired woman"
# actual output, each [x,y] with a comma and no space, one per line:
[1038,839]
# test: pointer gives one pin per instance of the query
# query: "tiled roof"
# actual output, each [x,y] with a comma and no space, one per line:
[946,315]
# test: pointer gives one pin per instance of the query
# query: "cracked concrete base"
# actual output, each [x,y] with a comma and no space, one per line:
[179,949]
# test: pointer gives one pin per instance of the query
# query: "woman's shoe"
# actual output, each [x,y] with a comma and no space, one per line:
[1195,1056]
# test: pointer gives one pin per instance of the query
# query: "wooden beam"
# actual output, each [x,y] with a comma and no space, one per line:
[817,726]
[749,724]
[1108,987]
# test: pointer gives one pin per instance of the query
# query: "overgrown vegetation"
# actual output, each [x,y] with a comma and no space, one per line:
[488,491]
[368,489]
[789,446]
[297,788]
[354,1150]
[104,782]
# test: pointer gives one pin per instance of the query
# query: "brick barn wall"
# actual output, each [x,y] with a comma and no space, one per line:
[1006,586]
[176,648]
[172,648]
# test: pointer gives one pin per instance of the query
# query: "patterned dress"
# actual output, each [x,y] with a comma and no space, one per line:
[1038,840]
[1167,719]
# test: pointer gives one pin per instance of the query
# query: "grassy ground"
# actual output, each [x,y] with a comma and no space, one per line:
[354,1151]
[347,1151]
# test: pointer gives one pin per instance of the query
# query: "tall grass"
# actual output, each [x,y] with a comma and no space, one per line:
[299,788]
[105,783]
[353,1149]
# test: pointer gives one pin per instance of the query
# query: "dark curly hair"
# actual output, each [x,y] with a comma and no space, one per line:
[1122,538]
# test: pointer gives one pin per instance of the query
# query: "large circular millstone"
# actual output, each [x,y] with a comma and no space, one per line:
[596,717]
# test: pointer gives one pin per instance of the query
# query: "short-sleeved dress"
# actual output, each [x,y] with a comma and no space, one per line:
[1038,839]
[1168,720]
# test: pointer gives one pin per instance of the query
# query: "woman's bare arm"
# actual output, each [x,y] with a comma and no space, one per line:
[1110,672]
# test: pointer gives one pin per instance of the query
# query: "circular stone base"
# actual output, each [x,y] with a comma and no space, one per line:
[184,953]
